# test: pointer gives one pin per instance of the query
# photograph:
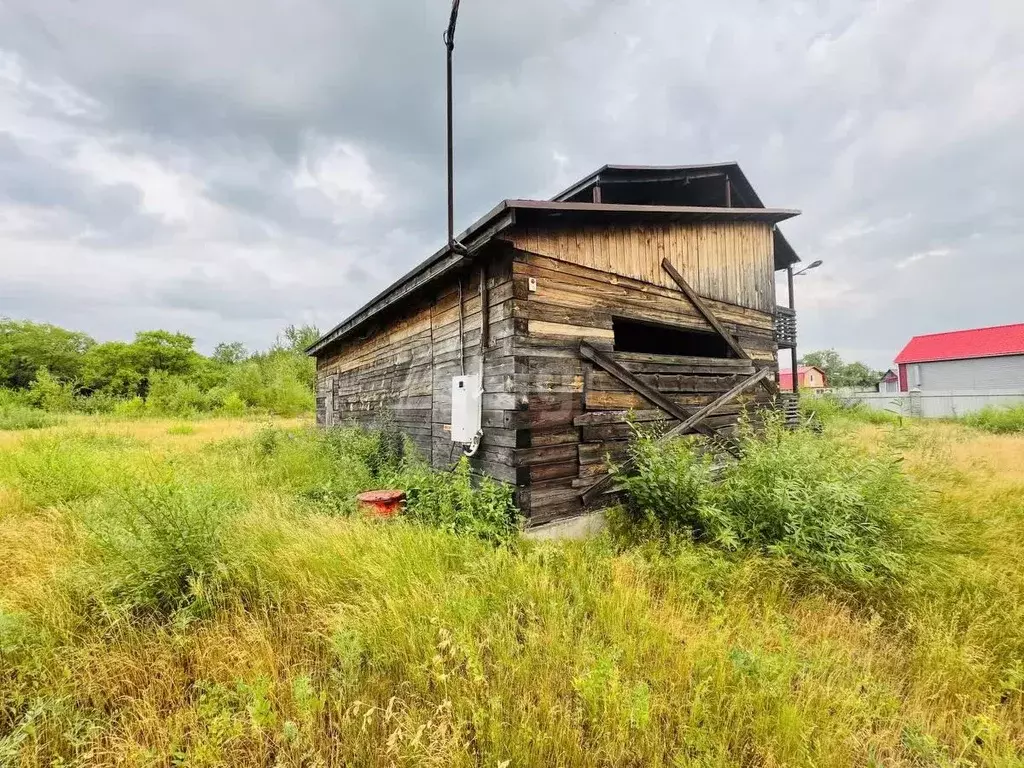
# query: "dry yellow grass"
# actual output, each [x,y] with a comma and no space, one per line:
[348,644]
[159,432]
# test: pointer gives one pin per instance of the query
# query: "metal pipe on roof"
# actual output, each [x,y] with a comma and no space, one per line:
[449,44]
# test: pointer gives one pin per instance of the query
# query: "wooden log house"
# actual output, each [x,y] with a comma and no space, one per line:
[639,292]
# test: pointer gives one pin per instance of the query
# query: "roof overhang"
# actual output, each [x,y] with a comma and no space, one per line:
[953,358]
[541,213]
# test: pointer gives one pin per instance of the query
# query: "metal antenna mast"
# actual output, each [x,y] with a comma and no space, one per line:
[449,44]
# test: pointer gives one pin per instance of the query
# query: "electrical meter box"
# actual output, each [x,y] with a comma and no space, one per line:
[466,394]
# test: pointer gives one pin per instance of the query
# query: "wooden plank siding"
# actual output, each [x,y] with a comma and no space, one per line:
[731,262]
[576,294]
[404,364]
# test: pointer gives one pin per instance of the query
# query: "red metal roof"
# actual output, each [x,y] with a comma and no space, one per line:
[964,345]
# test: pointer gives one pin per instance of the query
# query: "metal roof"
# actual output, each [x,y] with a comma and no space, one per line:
[666,173]
[996,341]
[510,212]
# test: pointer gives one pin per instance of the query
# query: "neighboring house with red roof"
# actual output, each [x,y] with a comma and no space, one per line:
[890,381]
[809,378]
[981,358]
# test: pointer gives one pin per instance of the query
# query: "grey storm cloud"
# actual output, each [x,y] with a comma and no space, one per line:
[113,212]
[224,168]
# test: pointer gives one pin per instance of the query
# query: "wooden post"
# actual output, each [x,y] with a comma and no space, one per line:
[484,311]
[728,192]
[792,350]
[597,193]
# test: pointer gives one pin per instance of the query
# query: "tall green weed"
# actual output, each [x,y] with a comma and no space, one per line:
[840,515]
[158,548]
[456,502]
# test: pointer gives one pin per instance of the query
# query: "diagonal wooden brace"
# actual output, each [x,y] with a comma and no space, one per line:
[688,425]
[712,320]
[645,390]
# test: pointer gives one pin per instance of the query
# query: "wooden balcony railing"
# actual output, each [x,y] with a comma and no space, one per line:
[785,327]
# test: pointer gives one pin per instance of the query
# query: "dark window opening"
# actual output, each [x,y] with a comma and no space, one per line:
[654,339]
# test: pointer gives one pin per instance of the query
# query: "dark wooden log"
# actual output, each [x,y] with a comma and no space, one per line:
[639,386]
[692,422]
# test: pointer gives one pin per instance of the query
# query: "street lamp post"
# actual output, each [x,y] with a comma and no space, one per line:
[790,274]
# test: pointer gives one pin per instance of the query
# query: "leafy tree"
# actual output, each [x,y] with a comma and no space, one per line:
[841,374]
[158,372]
[25,347]
[165,351]
[230,352]
[299,338]
[123,368]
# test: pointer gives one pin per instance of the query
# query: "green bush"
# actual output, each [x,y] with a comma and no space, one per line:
[997,420]
[173,395]
[840,515]
[132,408]
[14,417]
[828,407]
[48,393]
[275,382]
[449,501]
[157,547]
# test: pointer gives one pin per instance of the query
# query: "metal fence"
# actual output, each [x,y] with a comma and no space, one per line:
[933,404]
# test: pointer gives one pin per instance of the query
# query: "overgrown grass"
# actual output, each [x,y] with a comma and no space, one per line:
[188,601]
[997,420]
[827,408]
[13,417]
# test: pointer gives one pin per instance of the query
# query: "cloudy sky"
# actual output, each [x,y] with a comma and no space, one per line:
[224,168]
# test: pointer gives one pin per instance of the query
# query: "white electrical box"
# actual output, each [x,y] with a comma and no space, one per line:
[466,393]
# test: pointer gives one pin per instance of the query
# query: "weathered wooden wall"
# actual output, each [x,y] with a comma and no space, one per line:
[404,364]
[572,303]
[727,261]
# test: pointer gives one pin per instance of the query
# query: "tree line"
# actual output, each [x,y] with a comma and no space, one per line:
[159,371]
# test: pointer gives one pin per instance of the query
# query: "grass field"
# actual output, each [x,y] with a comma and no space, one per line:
[195,594]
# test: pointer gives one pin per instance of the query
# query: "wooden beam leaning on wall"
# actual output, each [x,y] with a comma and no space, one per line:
[713,321]
[690,424]
[637,385]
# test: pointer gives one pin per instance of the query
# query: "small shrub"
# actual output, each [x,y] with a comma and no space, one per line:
[48,393]
[157,546]
[15,417]
[133,408]
[181,429]
[55,470]
[997,420]
[839,514]
[232,405]
[449,501]
[387,447]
